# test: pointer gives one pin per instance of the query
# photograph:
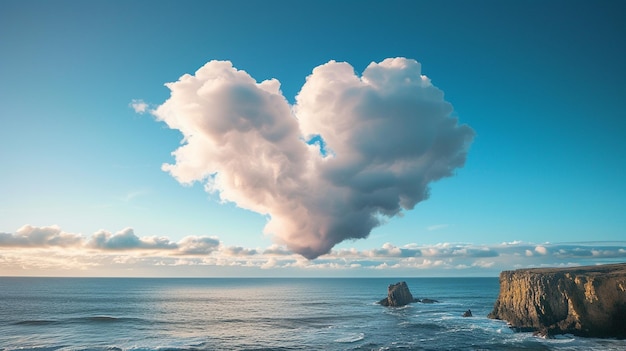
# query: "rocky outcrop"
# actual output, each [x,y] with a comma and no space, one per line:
[585,301]
[398,295]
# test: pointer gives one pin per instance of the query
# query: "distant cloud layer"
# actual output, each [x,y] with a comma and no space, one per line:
[124,240]
[51,251]
[351,152]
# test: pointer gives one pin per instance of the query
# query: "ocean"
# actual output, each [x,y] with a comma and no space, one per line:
[145,314]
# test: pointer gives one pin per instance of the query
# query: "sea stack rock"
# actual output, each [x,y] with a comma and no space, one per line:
[585,301]
[397,295]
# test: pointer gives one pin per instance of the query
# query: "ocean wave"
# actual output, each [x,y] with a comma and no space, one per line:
[316,303]
[110,319]
[81,320]
[103,319]
[422,326]
[352,337]
[35,322]
[36,348]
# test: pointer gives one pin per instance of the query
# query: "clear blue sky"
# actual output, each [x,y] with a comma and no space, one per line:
[542,84]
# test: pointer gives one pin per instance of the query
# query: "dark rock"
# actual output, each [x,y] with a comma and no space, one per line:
[428,301]
[397,295]
[585,301]
[467,313]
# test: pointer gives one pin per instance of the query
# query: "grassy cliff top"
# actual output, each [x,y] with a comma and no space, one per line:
[616,268]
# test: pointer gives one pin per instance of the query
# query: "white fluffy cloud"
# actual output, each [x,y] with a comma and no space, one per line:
[30,236]
[380,140]
[197,245]
[139,106]
[127,240]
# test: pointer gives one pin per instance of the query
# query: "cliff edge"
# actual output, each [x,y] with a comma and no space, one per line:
[585,301]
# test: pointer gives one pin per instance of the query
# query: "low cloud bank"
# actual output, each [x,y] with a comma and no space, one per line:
[125,240]
[37,250]
[350,153]
[30,236]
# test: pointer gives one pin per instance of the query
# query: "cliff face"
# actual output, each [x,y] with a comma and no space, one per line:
[585,301]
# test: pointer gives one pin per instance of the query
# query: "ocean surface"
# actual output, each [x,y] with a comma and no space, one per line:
[64,314]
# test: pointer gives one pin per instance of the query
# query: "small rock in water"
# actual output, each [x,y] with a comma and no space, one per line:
[467,313]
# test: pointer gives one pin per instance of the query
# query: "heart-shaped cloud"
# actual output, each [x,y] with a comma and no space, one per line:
[351,152]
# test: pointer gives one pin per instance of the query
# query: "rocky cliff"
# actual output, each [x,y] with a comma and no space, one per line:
[585,301]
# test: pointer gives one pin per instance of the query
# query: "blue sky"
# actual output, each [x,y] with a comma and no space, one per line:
[541,83]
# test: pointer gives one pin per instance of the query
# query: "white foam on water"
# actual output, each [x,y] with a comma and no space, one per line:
[350,338]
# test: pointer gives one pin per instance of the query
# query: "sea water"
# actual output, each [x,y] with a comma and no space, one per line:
[119,314]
